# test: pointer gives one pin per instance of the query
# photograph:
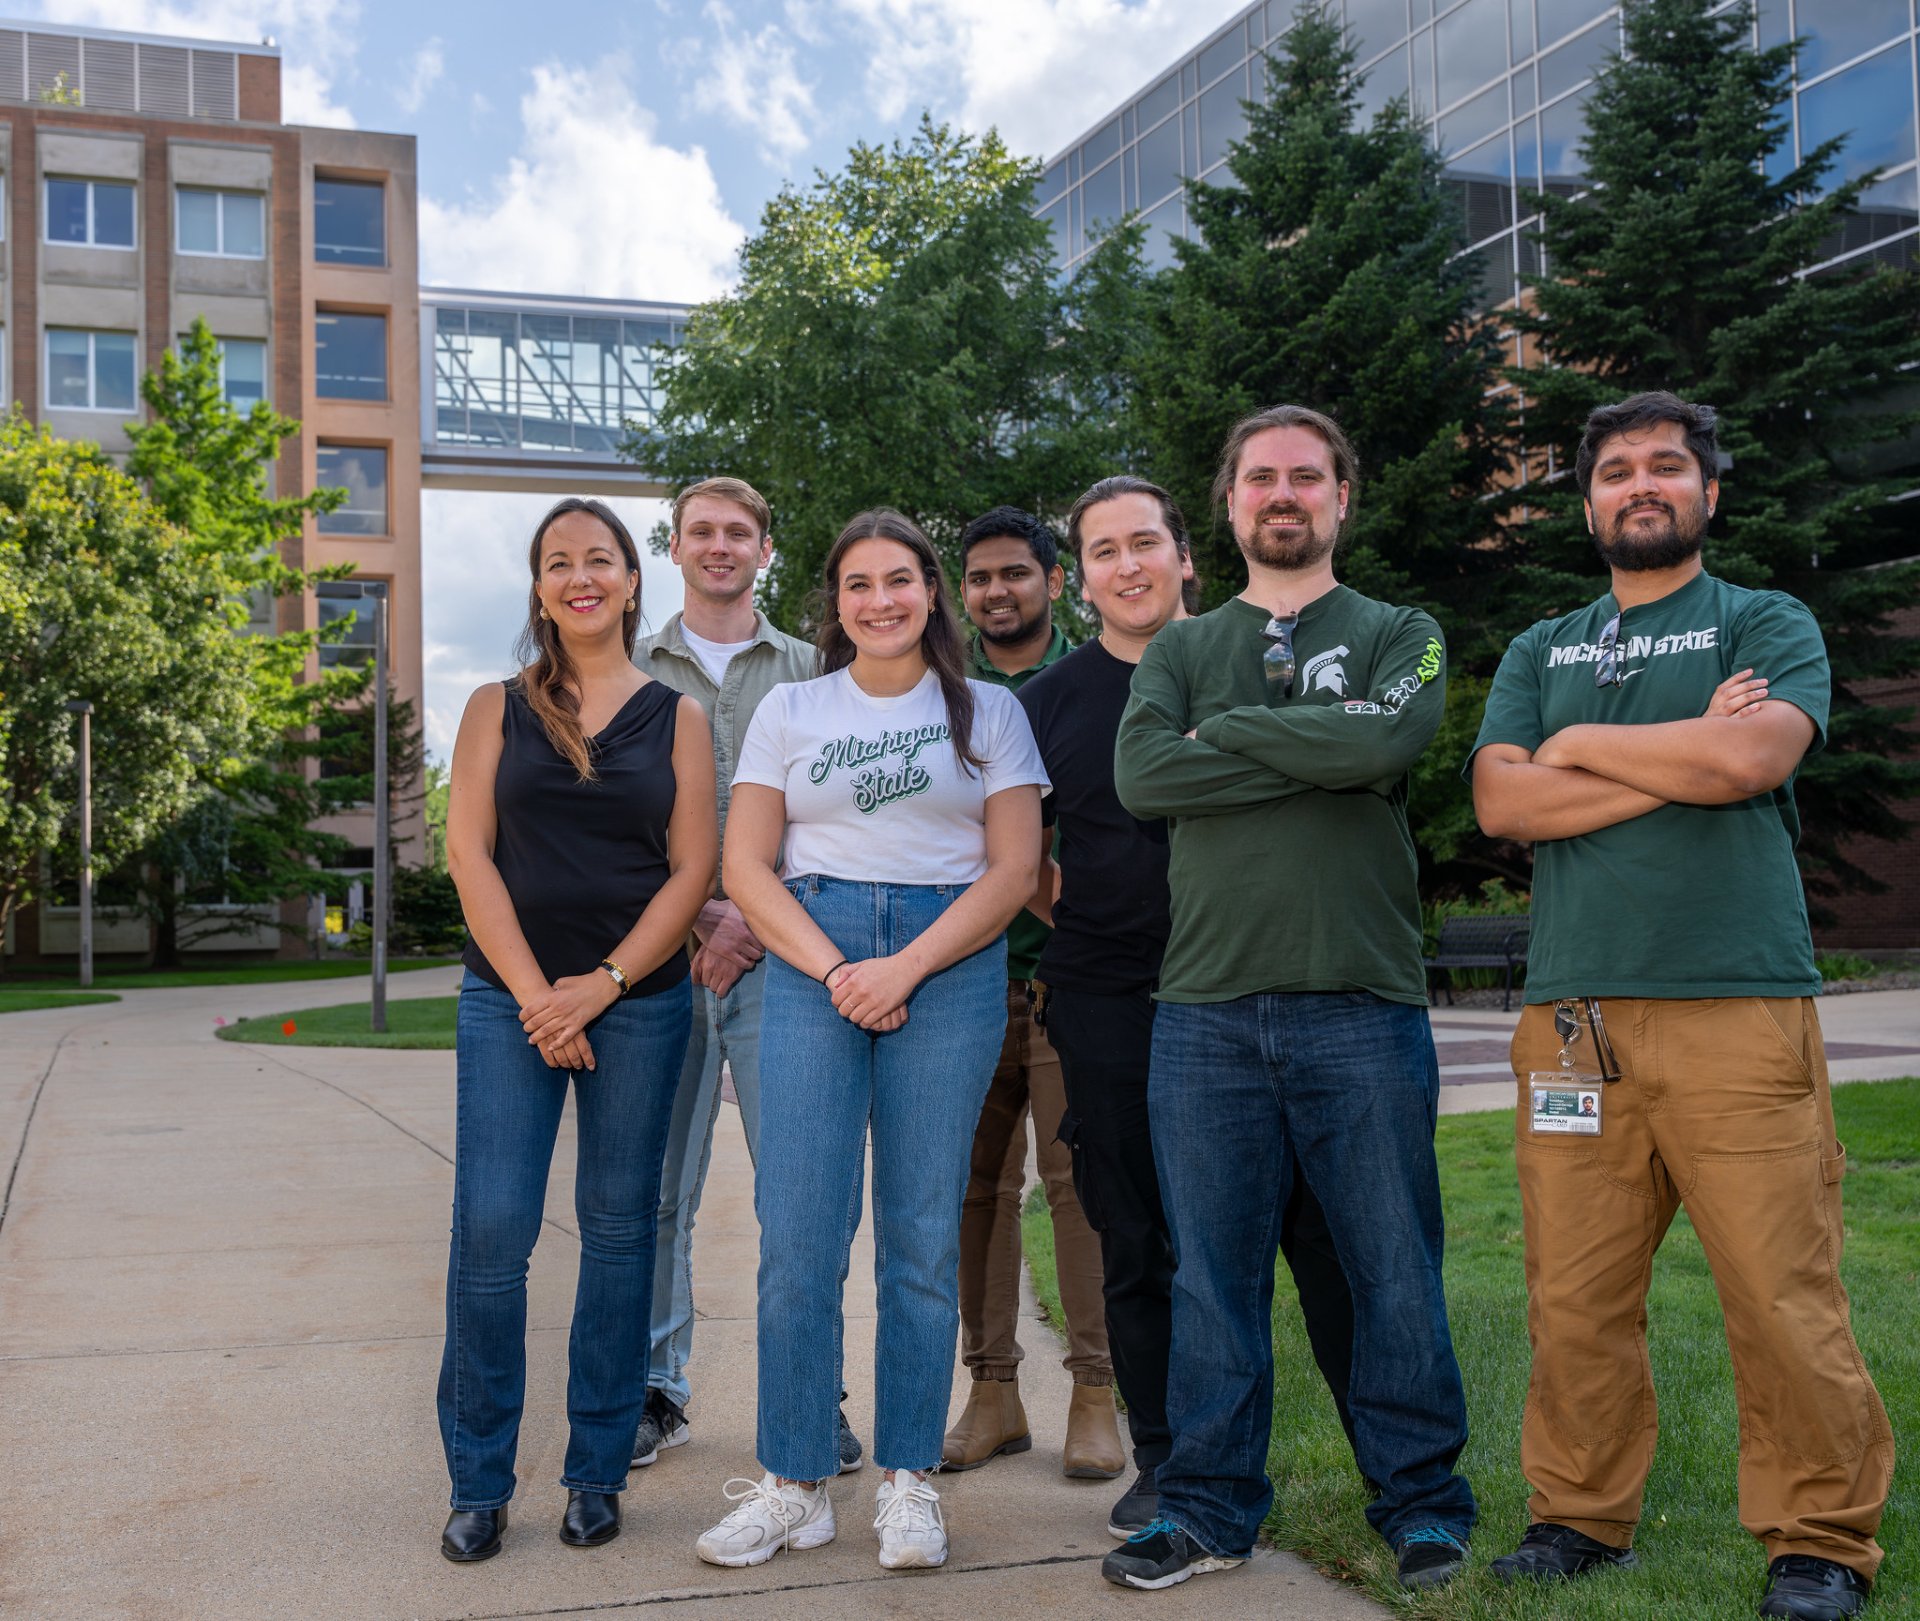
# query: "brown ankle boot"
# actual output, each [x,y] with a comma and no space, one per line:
[1093,1450]
[993,1422]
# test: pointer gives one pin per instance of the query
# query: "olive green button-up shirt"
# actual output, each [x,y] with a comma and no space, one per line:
[771,659]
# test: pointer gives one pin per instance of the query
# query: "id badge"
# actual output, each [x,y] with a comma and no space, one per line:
[1563,1105]
[1568,1101]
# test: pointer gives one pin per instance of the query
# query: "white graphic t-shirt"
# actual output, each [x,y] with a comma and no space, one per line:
[874,789]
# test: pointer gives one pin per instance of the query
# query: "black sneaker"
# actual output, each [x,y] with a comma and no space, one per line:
[1550,1553]
[663,1424]
[1138,1508]
[1813,1589]
[1161,1555]
[1430,1556]
[852,1454]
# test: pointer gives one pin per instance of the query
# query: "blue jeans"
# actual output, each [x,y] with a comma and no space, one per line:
[508,1117]
[824,1081]
[1350,1085]
[725,1029]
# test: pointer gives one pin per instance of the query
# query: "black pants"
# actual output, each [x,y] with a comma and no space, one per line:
[1104,1043]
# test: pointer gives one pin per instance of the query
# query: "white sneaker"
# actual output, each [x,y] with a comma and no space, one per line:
[770,1517]
[913,1535]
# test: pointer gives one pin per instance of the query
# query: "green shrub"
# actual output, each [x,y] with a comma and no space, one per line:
[1844,965]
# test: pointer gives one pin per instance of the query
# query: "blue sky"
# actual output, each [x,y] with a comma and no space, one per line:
[626,149]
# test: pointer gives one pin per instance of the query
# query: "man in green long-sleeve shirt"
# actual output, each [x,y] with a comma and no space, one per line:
[1275,735]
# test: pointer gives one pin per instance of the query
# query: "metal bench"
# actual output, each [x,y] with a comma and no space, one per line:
[1481,942]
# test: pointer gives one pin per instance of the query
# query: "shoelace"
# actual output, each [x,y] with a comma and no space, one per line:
[758,1494]
[1804,1564]
[1155,1528]
[1435,1534]
[911,1510]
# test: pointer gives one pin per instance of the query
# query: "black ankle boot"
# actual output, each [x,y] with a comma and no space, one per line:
[591,1519]
[473,1534]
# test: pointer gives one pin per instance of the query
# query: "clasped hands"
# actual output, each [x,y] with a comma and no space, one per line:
[872,993]
[556,1021]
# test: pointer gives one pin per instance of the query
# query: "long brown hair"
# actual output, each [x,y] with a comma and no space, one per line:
[546,669]
[941,643]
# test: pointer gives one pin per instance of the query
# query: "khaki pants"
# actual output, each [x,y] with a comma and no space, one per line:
[1028,1078]
[1723,1107]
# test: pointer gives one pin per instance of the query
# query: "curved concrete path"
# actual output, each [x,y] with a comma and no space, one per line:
[221,1272]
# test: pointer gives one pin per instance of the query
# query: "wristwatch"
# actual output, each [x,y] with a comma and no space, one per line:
[617,974]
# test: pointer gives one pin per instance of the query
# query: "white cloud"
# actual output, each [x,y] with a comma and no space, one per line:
[594,202]
[474,563]
[1040,71]
[429,63]
[749,79]
[317,39]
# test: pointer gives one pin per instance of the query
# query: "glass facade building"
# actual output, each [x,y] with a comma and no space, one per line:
[1501,85]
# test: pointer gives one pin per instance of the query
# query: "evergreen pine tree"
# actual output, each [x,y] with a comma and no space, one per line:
[1326,274]
[1684,268]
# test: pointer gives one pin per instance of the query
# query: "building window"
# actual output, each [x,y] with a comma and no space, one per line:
[361,470]
[350,356]
[243,372]
[354,645]
[349,222]
[89,371]
[94,213]
[224,224]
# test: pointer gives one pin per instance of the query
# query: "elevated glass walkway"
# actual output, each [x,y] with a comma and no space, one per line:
[530,392]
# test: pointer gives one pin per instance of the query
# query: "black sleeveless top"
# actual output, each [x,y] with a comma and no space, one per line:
[581,860]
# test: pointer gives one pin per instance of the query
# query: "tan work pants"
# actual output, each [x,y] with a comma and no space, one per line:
[1027,1079]
[1723,1107]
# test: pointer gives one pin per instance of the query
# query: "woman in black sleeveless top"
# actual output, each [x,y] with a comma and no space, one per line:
[582,834]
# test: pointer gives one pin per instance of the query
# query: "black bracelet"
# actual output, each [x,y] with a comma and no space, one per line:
[842,963]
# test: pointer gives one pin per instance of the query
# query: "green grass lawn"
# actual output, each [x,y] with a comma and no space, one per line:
[262,973]
[21,1001]
[418,1021]
[1695,1559]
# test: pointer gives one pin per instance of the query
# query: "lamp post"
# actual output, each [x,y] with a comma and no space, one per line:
[80,707]
[359,591]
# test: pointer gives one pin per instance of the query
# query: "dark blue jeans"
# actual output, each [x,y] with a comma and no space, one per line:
[508,1117]
[1349,1085]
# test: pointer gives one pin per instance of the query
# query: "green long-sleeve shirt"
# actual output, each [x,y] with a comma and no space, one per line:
[1293,868]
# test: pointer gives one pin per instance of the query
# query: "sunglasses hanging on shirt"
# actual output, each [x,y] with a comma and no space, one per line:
[1277,660]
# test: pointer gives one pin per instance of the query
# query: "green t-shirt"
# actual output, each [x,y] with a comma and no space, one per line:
[1687,900]
[1292,866]
[1026,934]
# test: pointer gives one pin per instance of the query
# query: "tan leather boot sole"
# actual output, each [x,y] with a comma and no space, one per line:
[993,1423]
[1093,1450]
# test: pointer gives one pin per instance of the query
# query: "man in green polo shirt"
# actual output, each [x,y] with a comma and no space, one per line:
[1646,745]
[1010,579]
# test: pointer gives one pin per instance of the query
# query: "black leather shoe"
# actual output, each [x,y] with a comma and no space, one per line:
[1550,1553]
[591,1519]
[1813,1589]
[473,1534]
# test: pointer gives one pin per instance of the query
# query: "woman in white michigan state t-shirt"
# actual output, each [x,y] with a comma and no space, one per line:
[902,803]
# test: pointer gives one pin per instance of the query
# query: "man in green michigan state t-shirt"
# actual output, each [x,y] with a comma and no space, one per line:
[1275,735]
[1646,745]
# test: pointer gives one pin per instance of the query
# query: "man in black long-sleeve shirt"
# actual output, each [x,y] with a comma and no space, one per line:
[1108,903]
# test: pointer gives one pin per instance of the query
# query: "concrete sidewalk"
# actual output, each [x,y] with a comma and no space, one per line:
[221,1273]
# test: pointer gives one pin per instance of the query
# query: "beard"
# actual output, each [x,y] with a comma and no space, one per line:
[1024,630]
[1666,545]
[1275,551]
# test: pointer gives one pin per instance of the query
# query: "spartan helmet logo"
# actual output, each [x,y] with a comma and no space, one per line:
[1323,674]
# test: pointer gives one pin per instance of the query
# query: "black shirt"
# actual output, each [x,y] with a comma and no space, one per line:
[581,860]
[1111,923]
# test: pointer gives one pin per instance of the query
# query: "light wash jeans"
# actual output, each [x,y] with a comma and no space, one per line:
[919,1088]
[507,1118]
[726,1029]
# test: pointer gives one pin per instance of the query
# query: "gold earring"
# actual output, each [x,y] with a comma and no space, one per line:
[631,604]
[544,614]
